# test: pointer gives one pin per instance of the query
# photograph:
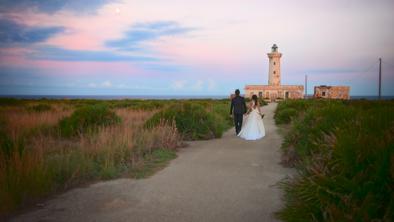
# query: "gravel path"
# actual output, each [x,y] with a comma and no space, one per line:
[227,179]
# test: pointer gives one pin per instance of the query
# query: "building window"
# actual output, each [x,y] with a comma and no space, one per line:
[274,72]
[260,94]
[267,95]
[274,63]
[323,93]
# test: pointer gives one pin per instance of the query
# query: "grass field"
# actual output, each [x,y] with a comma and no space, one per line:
[49,146]
[344,154]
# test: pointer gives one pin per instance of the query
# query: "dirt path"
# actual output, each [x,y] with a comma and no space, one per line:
[227,179]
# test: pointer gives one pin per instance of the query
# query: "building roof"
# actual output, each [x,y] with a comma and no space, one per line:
[270,87]
[329,87]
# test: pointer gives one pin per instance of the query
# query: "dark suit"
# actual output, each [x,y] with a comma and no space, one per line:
[238,109]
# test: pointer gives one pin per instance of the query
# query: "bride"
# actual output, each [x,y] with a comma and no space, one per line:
[253,128]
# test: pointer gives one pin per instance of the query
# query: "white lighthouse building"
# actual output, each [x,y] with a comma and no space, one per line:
[274,90]
[274,66]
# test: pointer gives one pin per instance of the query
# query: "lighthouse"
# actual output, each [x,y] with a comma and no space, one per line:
[274,90]
[274,66]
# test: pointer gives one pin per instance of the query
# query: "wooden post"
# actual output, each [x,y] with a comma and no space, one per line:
[306,87]
[380,78]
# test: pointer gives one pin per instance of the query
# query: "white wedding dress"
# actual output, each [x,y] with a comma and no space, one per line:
[253,127]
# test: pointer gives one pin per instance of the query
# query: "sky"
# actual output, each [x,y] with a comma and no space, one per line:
[191,47]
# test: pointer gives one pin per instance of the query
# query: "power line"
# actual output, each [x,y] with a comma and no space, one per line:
[387,63]
[370,67]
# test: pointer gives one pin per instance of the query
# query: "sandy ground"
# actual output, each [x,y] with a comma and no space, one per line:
[227,179]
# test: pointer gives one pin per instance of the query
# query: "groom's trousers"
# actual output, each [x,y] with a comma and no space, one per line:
[238,122]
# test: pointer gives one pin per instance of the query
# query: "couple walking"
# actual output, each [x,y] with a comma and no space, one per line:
[253,126]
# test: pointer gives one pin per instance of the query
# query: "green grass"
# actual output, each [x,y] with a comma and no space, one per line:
[86,119]
[344,153]
[195,120]
[139,104]
[152,163]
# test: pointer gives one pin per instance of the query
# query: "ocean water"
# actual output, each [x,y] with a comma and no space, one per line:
[157,97]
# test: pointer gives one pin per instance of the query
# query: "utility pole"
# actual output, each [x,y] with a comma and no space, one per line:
[306,87]
[380,78]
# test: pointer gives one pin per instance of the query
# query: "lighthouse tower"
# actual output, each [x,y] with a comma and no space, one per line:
[274,66]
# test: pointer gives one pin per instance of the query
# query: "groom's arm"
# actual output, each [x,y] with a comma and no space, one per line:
[245,106]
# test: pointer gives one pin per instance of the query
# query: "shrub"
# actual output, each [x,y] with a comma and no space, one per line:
[192,120]
[262,102]
[39,108]
[11,102]
[139,104]
[87,118]
[285,115]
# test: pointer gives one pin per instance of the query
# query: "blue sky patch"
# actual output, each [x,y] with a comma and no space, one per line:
[61,54]
[142,32]
[12,33]
[51,6]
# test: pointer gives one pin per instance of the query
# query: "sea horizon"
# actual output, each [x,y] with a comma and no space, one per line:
[157,97]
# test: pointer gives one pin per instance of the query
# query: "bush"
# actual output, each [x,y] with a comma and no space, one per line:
[262,102]
[345,160]
[87,118]
[192,120]
[39,108]
[11,102]
[139,104]
[284,116]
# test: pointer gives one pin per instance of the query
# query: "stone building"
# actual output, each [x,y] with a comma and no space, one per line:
[332,92]
[274,90]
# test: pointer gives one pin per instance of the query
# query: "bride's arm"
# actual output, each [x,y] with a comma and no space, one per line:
[259,109]
[250,105]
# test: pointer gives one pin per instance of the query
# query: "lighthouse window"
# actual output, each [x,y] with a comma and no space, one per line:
[274,72]
[274,63]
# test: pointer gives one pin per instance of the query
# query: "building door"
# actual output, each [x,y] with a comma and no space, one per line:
[274,96]
[287,95]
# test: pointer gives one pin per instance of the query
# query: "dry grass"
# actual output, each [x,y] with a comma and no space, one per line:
[19,120]
[37,161]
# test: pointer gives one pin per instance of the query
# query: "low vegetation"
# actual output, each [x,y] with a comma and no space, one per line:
[87,119]
[344,154]
[196,120]
[42,107]
[49,146]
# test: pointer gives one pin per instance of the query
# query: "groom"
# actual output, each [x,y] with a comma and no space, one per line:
[238,107]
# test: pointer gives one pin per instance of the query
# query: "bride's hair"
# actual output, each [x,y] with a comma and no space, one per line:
[256,102]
